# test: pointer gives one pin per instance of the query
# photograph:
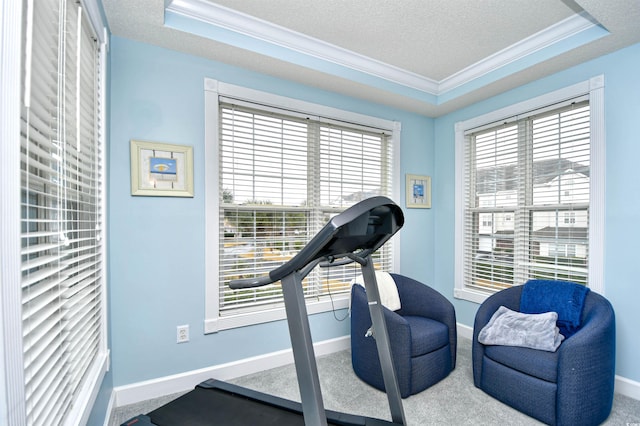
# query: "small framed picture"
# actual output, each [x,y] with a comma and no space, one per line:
[161,170]
[418,192]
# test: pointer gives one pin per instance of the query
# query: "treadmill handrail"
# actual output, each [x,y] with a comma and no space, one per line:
[250,282]
[263,280]
[266,279]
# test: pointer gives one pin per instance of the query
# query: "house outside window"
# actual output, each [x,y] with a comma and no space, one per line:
[569,218]
[281,175]
[531,176]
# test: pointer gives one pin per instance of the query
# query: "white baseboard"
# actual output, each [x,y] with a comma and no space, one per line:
[627,387]
[110,407]
[464,331]
[148,389]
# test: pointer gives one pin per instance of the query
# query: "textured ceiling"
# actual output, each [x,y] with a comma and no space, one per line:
[416,35]
[433,40]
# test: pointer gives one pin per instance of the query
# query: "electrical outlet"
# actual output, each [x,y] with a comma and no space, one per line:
[183,333]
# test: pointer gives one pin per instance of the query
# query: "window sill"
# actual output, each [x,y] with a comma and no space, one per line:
[474,296]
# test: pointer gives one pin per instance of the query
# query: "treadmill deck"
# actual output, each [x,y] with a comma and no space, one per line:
[215,402]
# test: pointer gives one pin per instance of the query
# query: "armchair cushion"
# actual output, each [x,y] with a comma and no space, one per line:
[427,335]
[540,364]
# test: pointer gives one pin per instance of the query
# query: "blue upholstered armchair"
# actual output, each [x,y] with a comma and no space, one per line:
[422,335]
[571,386]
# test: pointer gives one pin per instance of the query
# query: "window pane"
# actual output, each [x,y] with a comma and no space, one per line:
[263,159]
[496,161]
[351,166]
[561,152]
[559,245]
[256,241]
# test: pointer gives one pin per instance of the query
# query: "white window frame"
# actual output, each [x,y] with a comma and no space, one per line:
[12,404]
[213,89]
[594,89]
[13,407]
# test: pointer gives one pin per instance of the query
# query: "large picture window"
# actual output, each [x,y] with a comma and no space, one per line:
[282,174]
[60,338]
[527,197]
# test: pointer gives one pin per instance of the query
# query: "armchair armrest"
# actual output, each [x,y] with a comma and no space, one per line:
[509,298]
[579,382]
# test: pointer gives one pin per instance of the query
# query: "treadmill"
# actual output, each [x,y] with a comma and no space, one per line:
[351,236]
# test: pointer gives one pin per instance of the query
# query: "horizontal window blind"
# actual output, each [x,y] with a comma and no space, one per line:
[283,176]
[62,264]
[527,199]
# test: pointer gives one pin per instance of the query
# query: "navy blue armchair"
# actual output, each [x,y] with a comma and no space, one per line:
[571,386]
[422,335]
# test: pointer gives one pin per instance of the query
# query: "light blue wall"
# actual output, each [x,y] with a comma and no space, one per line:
[156,245]
[622,226]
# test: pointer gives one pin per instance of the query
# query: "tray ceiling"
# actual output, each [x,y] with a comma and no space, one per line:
[425,56]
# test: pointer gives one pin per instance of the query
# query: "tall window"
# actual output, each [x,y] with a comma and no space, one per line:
[527,198]
[62,206]
[282,175]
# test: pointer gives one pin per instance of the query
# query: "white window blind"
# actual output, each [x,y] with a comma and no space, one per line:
[283,175]
[62,204]
[527,186]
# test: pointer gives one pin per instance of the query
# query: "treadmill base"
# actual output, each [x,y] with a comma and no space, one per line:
[214,402]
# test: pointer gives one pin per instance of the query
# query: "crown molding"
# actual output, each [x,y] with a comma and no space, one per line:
[548,37]
[258,29]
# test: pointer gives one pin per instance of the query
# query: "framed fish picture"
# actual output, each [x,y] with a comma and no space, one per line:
[161,169]
[418,195]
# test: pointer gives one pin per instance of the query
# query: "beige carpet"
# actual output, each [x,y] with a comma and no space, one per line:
[453,401]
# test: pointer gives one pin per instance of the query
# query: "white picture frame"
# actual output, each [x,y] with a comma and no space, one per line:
[418,191]
[161,169]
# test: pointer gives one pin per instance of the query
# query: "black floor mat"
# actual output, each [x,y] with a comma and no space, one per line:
[206,407]
[215,402]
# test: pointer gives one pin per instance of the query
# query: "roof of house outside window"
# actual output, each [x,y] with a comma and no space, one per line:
[505,178]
